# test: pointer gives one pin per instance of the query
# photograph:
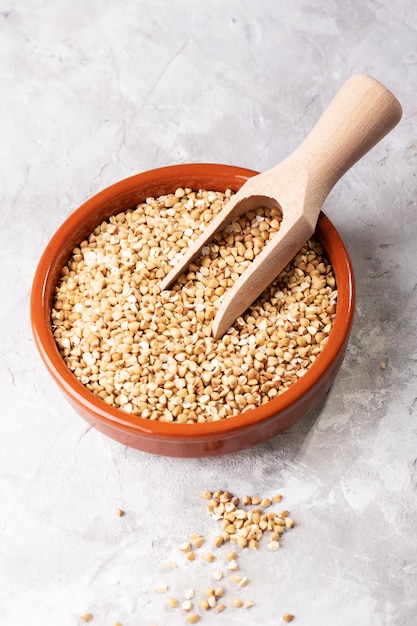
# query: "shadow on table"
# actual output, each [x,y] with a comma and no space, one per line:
[286,445]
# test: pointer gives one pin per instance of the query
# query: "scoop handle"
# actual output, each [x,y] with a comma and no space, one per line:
[358,117]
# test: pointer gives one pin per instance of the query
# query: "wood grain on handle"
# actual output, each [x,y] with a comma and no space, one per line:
[358,117]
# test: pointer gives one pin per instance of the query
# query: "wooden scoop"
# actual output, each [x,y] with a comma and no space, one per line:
[360,115]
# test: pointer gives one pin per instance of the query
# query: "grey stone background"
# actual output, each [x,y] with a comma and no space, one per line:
[92,92]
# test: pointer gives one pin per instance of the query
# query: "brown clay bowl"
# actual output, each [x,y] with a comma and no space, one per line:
[170,439]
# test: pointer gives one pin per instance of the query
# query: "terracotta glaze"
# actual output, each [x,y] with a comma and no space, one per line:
[170,439]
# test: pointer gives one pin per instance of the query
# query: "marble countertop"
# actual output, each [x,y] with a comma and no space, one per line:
[93,92]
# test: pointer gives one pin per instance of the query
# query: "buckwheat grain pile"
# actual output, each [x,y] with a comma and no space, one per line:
[150,353]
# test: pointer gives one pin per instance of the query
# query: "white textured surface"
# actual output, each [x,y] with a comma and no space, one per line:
[91,92]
